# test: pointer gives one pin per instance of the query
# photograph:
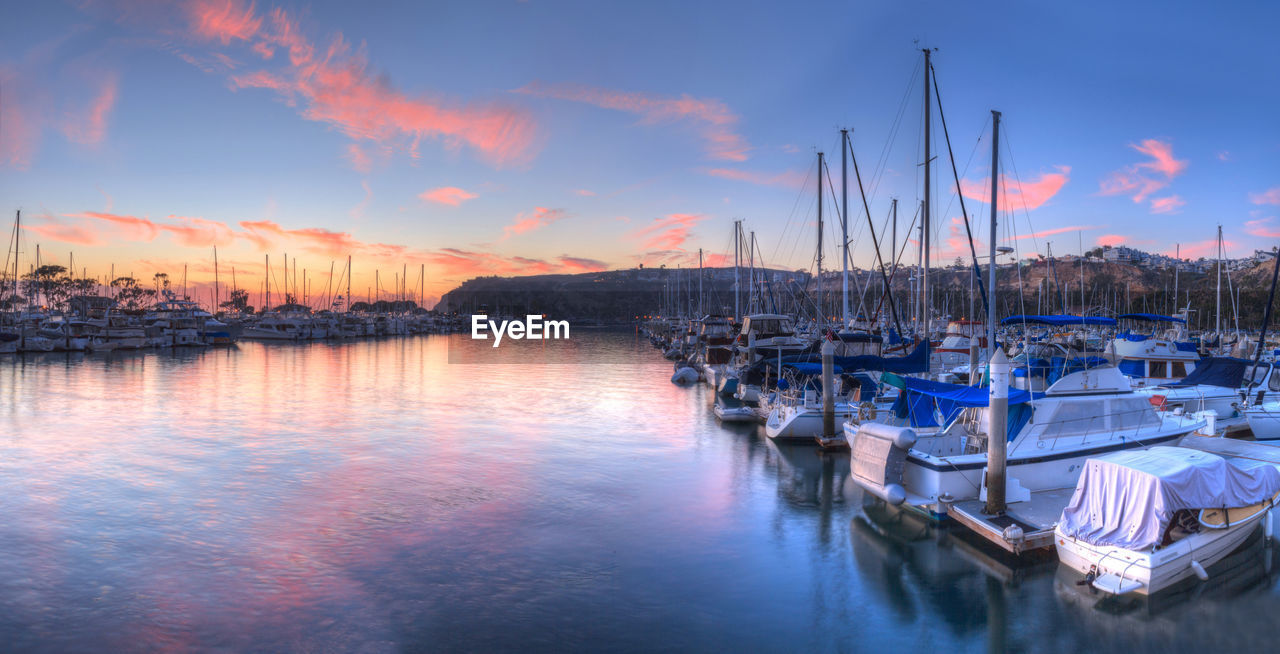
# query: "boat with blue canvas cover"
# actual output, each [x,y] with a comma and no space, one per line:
[1049,435]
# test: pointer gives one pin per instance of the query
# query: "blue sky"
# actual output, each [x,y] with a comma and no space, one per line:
[574,136]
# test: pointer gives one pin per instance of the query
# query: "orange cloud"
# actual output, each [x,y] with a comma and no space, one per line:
[717,123]
[1112,240]
[333,85]
[538,218]
[1031,194]
[199,233]
[1262,227]
[1269,196]
[1144,178]
[789,179]
[1170,204]
[668,233]
[469,263]
[450,195]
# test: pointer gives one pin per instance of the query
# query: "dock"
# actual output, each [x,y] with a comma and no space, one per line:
[1024,526]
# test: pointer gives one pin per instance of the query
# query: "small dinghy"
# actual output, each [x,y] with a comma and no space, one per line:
[734,413]
[685,375]
[1141,521]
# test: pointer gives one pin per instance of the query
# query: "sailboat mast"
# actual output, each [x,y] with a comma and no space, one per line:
[267,304]
[1217,320]
[737,267]
[925,229]
[820,314]
[1177,259]
[844,228]
[751,272]
[991,274]
[700,307]
[215,279]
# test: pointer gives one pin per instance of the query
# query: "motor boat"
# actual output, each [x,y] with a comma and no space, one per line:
[1142,521]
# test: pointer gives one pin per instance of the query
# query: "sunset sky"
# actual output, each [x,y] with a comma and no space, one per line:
[529,137]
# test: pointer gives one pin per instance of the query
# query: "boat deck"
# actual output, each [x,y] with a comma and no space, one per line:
[1233,448]
[1035,518]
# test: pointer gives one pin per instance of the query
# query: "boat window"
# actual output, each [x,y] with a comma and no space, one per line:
[1257,375]
[1179,369]
[1274,384]
[1158,369]
[1073,419]
[1132,413]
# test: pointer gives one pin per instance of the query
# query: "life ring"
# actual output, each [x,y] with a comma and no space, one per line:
[866,412]
[1173,349]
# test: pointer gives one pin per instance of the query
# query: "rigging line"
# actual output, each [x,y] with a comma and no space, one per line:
[893,309]
[795,207]
[882,162]
[977,273]
[1008,146]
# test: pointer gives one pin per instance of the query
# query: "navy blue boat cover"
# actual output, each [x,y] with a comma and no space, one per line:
[1058,321]
[1150,317]
[1226,372]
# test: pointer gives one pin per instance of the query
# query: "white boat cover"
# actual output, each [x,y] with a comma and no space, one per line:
[1126,499]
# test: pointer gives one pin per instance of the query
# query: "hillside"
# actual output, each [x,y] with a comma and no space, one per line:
[1109,287]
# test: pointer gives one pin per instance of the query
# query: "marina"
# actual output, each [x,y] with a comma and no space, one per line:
[639,327]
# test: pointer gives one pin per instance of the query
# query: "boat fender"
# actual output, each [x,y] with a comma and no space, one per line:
[903,438]
[1271,527]
[1013,534]
[1199,570]
[894,494]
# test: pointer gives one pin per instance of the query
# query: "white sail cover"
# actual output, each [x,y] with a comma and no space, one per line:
[1127,499]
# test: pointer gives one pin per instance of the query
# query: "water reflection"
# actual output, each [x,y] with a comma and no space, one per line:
[373,496]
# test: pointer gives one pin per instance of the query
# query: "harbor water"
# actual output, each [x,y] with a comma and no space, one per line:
[380,495]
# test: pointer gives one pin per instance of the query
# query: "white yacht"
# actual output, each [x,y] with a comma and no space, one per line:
[796,411]
[1154,358]
[1084,414]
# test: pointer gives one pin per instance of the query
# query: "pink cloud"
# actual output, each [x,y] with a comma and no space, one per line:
[359,160]
[1169,204]
[1269,196]
[1208,248]
[333,85]
[450,195]
[668,233]
[1112,240]
[92,126]
[224,20]
[1056,230]
[1144,178]
[716,122]
[77,234]
[470,263]
[135,228]
[789,179]
[1262,228]
[538,218]
[1031,194]
[584,192]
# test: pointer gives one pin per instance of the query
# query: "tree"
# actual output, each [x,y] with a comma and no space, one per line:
[131,296]
[239,301]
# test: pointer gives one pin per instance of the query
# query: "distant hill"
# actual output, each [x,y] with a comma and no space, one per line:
[1109,287]
[615,295]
